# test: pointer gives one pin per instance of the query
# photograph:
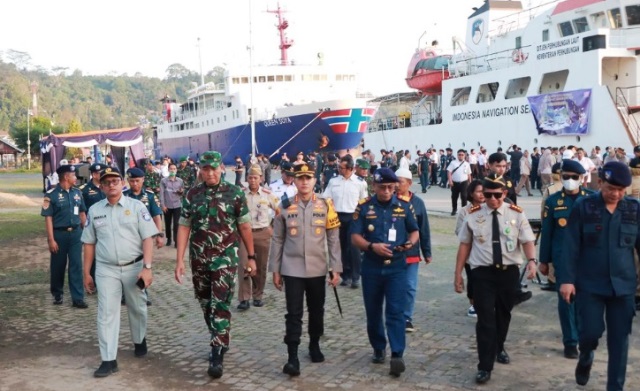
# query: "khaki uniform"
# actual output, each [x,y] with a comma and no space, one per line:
[262,207]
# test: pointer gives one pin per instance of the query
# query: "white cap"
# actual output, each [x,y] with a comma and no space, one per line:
[404,173]
[567,154]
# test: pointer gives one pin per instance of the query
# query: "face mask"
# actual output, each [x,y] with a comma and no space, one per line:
[571,184]
[171,173]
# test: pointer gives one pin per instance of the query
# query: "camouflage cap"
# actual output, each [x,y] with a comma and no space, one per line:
[183,159]
[211,158]
[362,163]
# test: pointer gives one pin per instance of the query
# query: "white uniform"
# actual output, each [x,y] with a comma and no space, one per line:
[346,193]
[279,188]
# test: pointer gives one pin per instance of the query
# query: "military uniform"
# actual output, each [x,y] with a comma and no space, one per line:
[66,209]
[555,218]
[384,281]
[213,214]
[188,176]
[152,181]
[329,172]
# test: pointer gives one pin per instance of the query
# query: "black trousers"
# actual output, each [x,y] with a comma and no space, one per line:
[459,189]
[494,291]
[295,288]
[351,258]
[171,217]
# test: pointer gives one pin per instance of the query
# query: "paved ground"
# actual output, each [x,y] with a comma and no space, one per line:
[55,348]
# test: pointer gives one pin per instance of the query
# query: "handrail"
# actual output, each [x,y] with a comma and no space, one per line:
[622,102]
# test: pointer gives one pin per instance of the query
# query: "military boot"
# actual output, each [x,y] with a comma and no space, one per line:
[215,362]
[314,350]
[292,367]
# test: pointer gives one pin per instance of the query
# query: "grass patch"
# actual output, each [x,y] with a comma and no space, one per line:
[20,225]
[21,184]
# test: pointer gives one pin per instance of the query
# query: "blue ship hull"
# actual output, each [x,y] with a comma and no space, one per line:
[305,133]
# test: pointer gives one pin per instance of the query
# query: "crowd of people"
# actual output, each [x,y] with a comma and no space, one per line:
[340,221]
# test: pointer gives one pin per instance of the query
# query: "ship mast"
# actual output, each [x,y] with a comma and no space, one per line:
[252,116]
[285,43]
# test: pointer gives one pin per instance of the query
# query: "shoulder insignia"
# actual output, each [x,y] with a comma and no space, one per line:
[82,187]
[474,209]
[266,190]
[516,208]
[51,190]
[362,201]
[509,184]
[404,198]
[149,192]
[274,182]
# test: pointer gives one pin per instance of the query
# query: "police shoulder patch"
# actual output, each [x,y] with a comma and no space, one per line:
[474,209]
[515,207]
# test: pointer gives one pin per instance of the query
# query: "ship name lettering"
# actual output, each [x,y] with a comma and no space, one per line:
[277,121]
[494,112]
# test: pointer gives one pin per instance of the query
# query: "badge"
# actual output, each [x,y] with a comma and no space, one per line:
[560,202]
[146,216]
[318,231]
[562,222]
[513,222]
[509,184]
[507,230]
[45,203]
[371,228]
[127,212]
[481,239]
[511,245]
[387,262]
[546,214]
[294,231]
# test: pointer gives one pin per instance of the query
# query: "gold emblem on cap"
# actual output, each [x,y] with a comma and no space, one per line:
[304,168]
[562,222]
[107,170]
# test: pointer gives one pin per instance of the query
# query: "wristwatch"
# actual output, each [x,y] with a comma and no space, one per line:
[370,246]
[147,266]
[252,257]
[534,260]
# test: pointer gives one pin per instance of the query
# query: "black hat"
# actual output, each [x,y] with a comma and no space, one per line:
[556,168]
[135,172]
[287,168]
[573,166]
[384,175]
[303,169]
[110,171]
[494,181]
[332,157]
[636,148]
[616,173]
[97,167]
[65,169]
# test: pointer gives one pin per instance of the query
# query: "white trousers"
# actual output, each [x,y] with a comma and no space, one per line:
[112,281]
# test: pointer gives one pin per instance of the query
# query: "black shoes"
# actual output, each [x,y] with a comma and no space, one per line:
[355,285]
[78,304]
[215,362]
[396,366]
[315,353]
[344,282]
[57,300]
[258,303]
[503,357]
[483,377]
[454,212]
[582,373]
[521,297]
[106,369]
[140,348]
[378,356]
[408,327]
[549,287]
[292,367]
[168,242]
[244,305]
[571,352]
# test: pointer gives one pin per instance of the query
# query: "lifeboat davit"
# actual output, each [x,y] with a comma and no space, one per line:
[427,70]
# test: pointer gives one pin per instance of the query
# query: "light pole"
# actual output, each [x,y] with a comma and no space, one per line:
[28,140]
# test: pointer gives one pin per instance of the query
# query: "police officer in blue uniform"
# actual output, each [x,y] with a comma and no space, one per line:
[555,218]
[330,170]
[384,227]
[599,270]
[64,214]
[91,193]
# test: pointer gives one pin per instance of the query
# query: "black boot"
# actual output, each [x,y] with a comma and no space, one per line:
[292,367]
[215,363]
[314,350]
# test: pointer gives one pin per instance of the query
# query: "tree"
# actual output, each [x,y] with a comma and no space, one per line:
[74,127]
[177,71]
[217,74]
[20,59]
[39,127]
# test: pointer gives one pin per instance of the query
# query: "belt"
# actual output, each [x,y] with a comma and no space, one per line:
[68,229]
[132,262]
[346,213]
[460,182]
[259,229]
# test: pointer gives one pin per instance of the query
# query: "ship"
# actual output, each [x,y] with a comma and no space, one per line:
[555,73]
[293,108]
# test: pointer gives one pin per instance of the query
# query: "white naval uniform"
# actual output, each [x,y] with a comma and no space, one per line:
[279,188]
[346,193]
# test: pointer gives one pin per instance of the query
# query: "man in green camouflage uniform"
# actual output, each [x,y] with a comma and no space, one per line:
[187,174]
[151,178]
[362,170]
[213,219]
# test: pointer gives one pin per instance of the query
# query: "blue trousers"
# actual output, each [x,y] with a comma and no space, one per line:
[424,179]
[618,312]
[69,248]
[385,285]
[568,321]
[412,288]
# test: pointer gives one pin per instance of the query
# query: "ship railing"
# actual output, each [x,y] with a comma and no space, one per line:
[623,96]
[518,19]
[466,63]
[388,123]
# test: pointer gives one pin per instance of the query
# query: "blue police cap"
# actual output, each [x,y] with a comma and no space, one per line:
[332,157]
[616,173]
[65,168]
[97,167]
[573,166]
[384,175]
[135,172]
[287,168]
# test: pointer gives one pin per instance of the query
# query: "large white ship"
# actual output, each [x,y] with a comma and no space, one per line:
[558,73]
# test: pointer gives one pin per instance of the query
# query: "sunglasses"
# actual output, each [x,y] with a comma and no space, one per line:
[566,177]
[488,195]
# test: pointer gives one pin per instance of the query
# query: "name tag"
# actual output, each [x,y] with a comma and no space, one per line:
[76,210]
[392,235]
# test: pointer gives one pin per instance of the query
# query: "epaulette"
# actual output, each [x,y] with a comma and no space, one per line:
[149,191]
[266,190]
[362,201]
[516,208]
[51,190]
[274,181]
[359,178]
[404,198]
[82,187]
[474,209]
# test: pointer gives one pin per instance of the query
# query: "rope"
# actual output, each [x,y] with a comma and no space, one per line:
[294,136]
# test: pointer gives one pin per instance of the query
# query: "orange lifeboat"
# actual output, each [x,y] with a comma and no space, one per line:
[427,70]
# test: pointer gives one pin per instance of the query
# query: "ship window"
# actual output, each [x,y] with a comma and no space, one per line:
[288,77]
[487,92]
[270,78]
[545,35]
[517,88]
[581,25]
[323,77]
[316,77]
[261,79]
[565,29]
[279,78]
[460,96]
[633,14]
[615,19]
[599,21]
[518,42]
[244,80]
[553,81]
[235,80]
[225,118]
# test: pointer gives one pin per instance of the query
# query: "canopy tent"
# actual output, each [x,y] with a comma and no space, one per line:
[53,147]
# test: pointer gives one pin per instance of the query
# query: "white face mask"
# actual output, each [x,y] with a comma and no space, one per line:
[571,184]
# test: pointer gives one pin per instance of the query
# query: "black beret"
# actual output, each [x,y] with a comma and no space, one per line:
[97,167]
[65,169]
[616,173]
[384,175]
[332,157]
[636,148]
[287,168]
[135,172]
[573,166]
[556,168]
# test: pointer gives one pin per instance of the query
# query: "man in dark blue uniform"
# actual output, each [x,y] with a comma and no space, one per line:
[555,218]
[91,193]
[599,271]
[330,170]
[384,227]
[64,215]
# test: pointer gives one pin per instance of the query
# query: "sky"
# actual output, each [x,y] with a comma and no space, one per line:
[375,38]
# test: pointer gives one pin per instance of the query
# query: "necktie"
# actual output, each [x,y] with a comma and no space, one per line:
[495,239]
